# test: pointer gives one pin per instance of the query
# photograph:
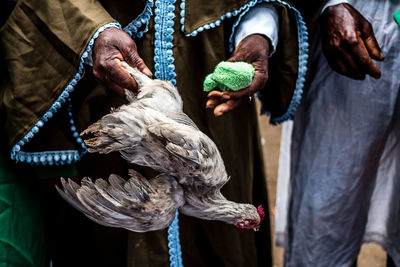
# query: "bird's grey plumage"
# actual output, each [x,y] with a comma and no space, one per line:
[153,131]
[138,204]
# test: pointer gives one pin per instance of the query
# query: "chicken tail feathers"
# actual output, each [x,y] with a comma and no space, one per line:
[138,204]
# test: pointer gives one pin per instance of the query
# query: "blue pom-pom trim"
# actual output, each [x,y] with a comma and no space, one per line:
[182,6]
[174,245]
[302,40]
[165,70]
[213,24]
[142,20]
[164,29]
[59,157]
[302,59]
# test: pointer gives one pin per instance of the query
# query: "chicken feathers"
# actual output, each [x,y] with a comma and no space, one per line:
[138,204]
[153,131]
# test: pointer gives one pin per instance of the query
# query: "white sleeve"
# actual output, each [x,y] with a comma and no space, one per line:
[261,19]
[332,3]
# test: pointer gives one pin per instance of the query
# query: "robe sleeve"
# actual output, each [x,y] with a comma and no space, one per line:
[332,3]
[43,46]
[287,66]
[262,19]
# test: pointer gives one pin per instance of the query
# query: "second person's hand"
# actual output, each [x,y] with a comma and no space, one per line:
[349,43]
[253,49]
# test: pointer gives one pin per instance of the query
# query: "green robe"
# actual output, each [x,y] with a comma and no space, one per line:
[19,245]
[42,42]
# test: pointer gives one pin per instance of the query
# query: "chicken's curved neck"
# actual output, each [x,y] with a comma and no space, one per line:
[219,209]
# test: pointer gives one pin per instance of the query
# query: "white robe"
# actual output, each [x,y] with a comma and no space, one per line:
[339,178]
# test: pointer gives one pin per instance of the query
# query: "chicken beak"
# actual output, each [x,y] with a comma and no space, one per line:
[256,229]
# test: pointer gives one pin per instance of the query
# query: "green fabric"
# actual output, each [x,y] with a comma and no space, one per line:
[396,17]
[51,172]
[229,76]
[22,238]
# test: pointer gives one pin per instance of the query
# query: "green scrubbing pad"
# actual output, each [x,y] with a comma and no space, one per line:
[229,76]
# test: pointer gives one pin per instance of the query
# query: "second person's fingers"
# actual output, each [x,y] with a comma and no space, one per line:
[213,102]
[227,106]
[371,43]
[360,54]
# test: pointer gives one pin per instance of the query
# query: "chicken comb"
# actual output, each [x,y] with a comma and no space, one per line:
[261,212]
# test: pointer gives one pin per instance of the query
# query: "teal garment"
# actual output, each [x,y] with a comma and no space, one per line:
[396,17]
[229,76]
[22,238]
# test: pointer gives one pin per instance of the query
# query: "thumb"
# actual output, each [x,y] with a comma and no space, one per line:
[259,81]
[371,43]
[132,58]
[237,57]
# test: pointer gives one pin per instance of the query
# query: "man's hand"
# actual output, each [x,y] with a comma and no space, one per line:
[349,43]
[253,49]
[112,46]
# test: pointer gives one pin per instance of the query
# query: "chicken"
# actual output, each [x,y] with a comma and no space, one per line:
[153,131]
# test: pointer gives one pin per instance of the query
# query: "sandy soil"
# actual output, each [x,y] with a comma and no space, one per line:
[371,255]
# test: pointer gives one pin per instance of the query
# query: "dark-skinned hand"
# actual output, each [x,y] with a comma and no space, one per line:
[349,43]
[112,46]
[253,49]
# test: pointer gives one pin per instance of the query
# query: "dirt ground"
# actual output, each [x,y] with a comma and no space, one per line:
[371,255]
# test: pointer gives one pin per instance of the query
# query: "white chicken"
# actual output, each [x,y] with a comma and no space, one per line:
[153,131]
